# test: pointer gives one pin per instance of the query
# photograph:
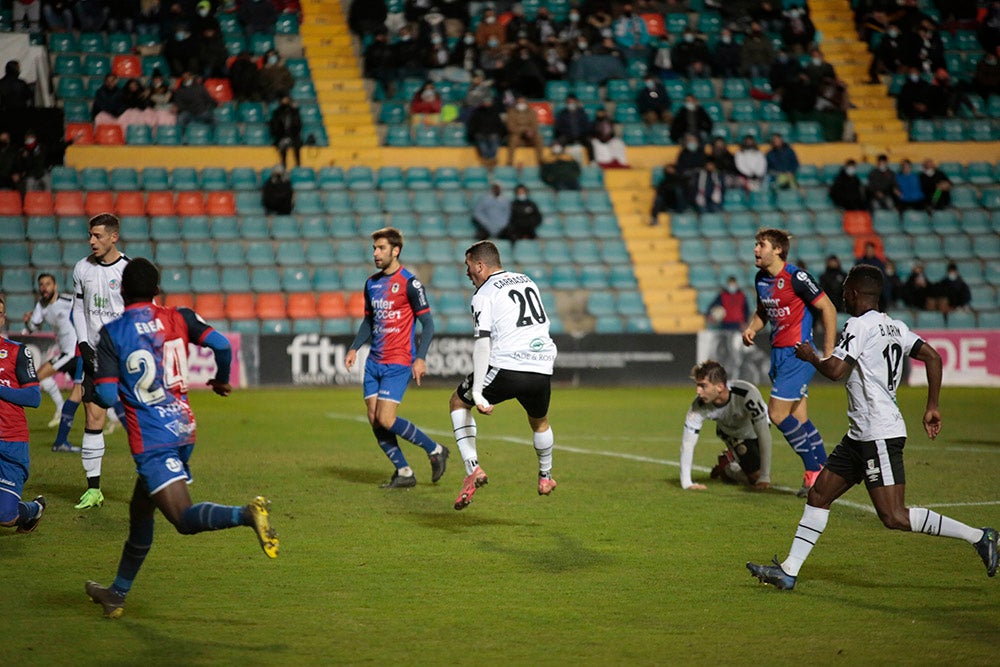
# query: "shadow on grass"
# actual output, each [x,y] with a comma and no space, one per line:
[457,522]
[365,476]
[71,492]
[564,554]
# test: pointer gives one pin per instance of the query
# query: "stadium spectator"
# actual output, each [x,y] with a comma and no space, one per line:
[276,80]
[908,193]
[490,29]
[14,92]
[847,191]
[952,291]
[431,25]
[480,90]
[207,34]
[757,53]
[162,100]
[277,194]
[107,104]
[426,102]
[518,27]
[882,184]
[871,258]
[783,71]
[708,188]
[380,62]
[782,163]
[573,29]
[522,129]
[832,282]
[630,34]
[286,130]
[493,58]
[408,56]
[691,157]
[947,97]
[917,289]
[797,31]
[244,78]
[257,16]
[935,185]
[464,59]
[670,194]
[728,56]
[751,164]
[889,57]
[725,163]
[599,23]
[32,165]
[485,130]
[986,80]
[436,55]
[926,50]
[27,13]
[545,26]
[691,57]
[491,213]
[818,69]
[608,150]
[368,17]
[525,218]
[8,163]
[193,102]
[798,99]
[653,102]
[989,28]
[662,61]
[556,67]
[691,119]
[734,304]
[90,15]
[58,14]
[524,73]
[180,51]
[122,15]
[137,105]
[562,171]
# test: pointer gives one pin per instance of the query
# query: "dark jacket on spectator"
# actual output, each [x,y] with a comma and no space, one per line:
[14,93]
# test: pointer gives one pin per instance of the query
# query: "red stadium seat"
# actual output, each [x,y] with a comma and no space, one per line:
[331,305]
[219,89]
[69,202]
[302,306]
[79,133]
[180,301]
[160,203]
[130,203]
[857,222]
[356,305]
[271,307]
[98,202]
[210,306]
[220,203]
[10,202]
[543,111]
[240,307]
[190,203]
[655,25]
[38,203]
[110,135]
[126,67]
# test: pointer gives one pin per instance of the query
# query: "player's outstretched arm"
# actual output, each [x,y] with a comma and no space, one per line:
[830,367]
[932,366]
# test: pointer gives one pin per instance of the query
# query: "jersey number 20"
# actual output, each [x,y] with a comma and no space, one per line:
[529,301]
[174,371]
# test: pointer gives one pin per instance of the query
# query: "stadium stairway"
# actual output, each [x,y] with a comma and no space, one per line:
[662,276]
[340,88]
[874,116]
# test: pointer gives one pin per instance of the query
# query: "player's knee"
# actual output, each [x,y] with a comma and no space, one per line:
[385,421]
[895,520]
[8,510]
[455,403]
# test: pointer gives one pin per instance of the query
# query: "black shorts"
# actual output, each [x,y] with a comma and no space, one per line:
[89,390]
[876,462]
[532,390]
[747,452]
[72,366]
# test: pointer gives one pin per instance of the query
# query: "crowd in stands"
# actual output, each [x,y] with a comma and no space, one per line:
[495,215]
[902,190]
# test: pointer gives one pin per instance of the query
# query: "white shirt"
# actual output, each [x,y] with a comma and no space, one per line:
[98,297]
[875,344]
[508,308]
[743,417]
[57,315]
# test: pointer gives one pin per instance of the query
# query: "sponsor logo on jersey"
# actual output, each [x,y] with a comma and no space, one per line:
[174,464]
[781,283]
[395,288]
[536,344]
[803,276]
[3,354]
[115,284]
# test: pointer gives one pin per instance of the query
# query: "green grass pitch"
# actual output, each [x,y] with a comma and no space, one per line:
[618,566]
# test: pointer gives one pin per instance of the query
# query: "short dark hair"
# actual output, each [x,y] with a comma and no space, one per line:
[390,234]
[778,238]
[109,220]
[140,280]
[485,252]
[45,275]
[710,370]
[866,279]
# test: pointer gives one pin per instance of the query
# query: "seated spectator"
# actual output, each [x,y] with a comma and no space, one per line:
[544,26]
[180,51]
[871,258]
[757,53]
[599,23]
[491,213]
[425,106]
[691,157]
[573,29]
[653,102]
[137,105]
[735,307]
[493,58]
[691,57]
[27,13]
[783,71]
[436,54]
[15,93]
[257,16]
[480,89]
[798,99]
[818,69]
[908,194]
[464,58]
[608,150]
[917,289]
[431,25]
[32,166]
[832,282]
[751,164]
[946,97]
[554,55]
[573,128]
[366,18]
[936,186]
[782,163]
[108,104]
[889,57]
[522,130]
[194,103]
[708,188]
[518,27]
[630,34]
[9,175]
[892,288]
[162,100]
[485,129]
[725,162]
[525,218]
[525,73]
[728,56]
[490,29]
[798,31]
[926,50]
[380,62]
[244,78]
[882,184]
[952,291]
[989,29]
[286,131]
[58,14]
[671,194]
[276,80]
[90,15]
[408,56]
[691,119]
[277,194]
[562,172]
[847,191]
[986,80]
[207,35]
[663,62]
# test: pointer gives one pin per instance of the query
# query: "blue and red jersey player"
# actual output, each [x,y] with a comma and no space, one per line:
[18,390]
[142,358]
[786,299]
[394,301]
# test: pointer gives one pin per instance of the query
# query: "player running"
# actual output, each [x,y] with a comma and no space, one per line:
[394,299]
[786,297]
[512,357]
[142,358]
[56,310]
[871,355]
[741,423]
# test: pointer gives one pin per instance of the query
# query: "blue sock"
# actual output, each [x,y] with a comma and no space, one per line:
[209,516]
[66,421]
[387,441]
[796,435]
[138,544]
[815,442]
[120,413]
[409,431]
[26,511]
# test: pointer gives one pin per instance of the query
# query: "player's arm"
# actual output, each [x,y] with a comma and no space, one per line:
[363,335]
[33,320]
[201,332]
[692,426]
[421,308]
[106,378]
[80,324]
[480,366]
[923,351]
[828,312]
[832,367]
[755,325]
[27,394]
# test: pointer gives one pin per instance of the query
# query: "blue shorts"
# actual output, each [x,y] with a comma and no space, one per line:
[790,376]
[386,381]
[162,466]
[14,462]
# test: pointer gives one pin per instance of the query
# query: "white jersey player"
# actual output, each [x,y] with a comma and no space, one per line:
[97,281]
[870,354]
[512,357]
[742,424]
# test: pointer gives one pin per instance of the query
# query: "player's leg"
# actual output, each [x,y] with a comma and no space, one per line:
[464,426]
[13,474]
[385,438]
[93,447]
[395,378]
[534,392]
[816,444]
[66,418]
[786,408]
[47,383]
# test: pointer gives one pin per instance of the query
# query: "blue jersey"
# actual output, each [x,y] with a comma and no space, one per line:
[392,304]
[782,300]
[146,352]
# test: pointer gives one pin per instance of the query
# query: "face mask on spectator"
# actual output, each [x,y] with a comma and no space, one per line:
[572,106]
[30,141]
[203,13]
[688,37]
[522,197]
[726,39]
[188,82]
[491,19]
[581,45]
[914,78]
[893,34]
[493,43]
[690,106]
[650,84]
[436,39]
[522,106]
[574,17]
[817,61]
[850,171]
[272,60]
[180,36]
[732,288]
[883,167]
[929,171]
[427,95]
[953,275]
[469,39]
[691,146]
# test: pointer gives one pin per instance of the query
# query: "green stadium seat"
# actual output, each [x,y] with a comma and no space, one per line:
[398,135]
[260,43]
[124,179]
[96,66]
[772,113]
[64,178]
[61,42]
[808,132]
[169,253]
[94,178]
[249,202]
[91,42]
[165,228]
[601,303]
[309,202]
[67,64]
[265,279]
[923,130]
[138,135]
[244,178]
[15,253]
[205,280]
[976,221]
[38,228]
[167,135]
[287,24]
[70,88]
[426,136]
[983,130]
[744,112]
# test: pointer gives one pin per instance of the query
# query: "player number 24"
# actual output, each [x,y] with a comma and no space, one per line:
[529,301]
[174,371]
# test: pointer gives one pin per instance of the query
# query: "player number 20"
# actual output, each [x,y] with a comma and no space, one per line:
[530,305]
[174,371]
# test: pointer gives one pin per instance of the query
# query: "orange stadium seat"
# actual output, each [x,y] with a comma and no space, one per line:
[655,25]
[79,133]
[331,305]
[857,222]
[110,135]
[220,203]
[219,89]
[10,202]
[210,306]
[240,307]
[271,307]
[69,202]
[38,203]
[356,305]
[190,203]
[130,203]
[302,306]
[543,111]
[102,201]
[126,67]
[180,301]
[160,203]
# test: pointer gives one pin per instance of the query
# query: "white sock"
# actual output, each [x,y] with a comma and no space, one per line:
[811,526]
[464,426]
[930,522]
[92,454]
[50,387]
[543,447]
[405,472]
